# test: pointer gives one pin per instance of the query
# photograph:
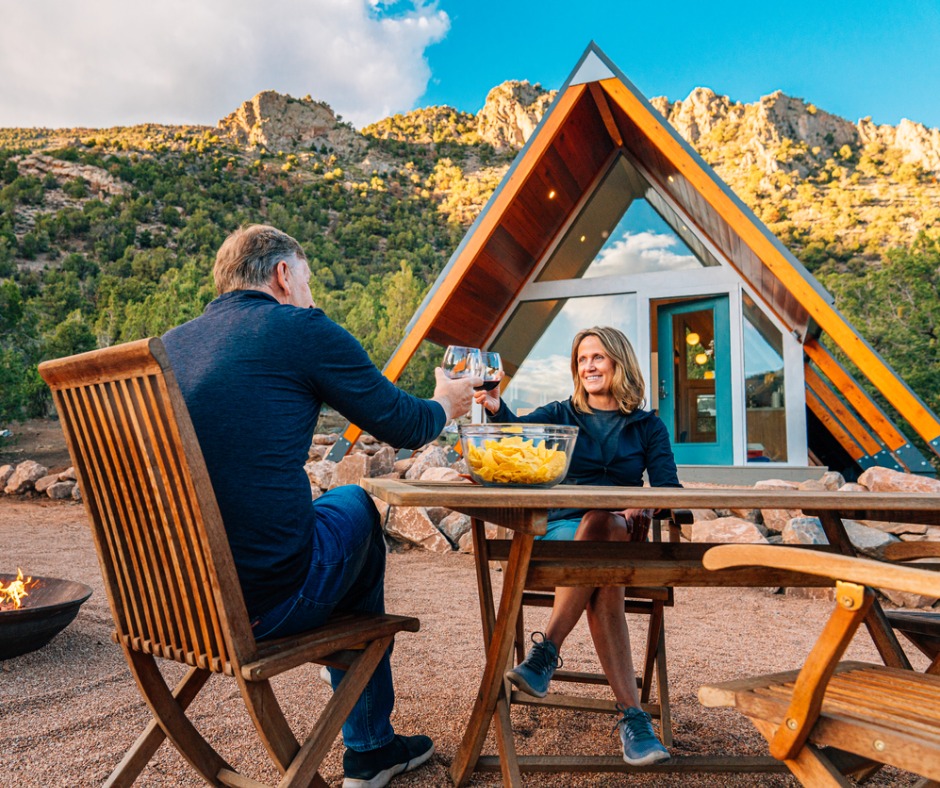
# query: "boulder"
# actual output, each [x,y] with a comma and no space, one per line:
[815,485]
[325,439]
[315,492]
[804,530]
[320,473]
[904,599]
[853,487]
[382,506]
[437,513]
[43,484]
[727,529]
[383,461]
[402,466]
[776,484]
[445,474]
[61,490]
[411,524]
[68,475]
[832,480]
[775,520]
[350,470]
[454,526]
[432,457]
[24,477]
[878,479]
[6,471]
[465,545]
[76,493]
[807,530]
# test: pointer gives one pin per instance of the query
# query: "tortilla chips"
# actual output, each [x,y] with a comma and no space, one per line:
[516,461]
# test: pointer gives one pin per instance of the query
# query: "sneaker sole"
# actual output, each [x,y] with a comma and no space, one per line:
[522,684]
[654,757]
[383,778]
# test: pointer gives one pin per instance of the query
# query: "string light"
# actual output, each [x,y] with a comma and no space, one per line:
[692,339]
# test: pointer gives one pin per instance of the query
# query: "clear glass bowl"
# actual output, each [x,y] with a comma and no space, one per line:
[517,455]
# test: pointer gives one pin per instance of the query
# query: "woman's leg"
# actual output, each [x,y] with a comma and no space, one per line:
[571,602]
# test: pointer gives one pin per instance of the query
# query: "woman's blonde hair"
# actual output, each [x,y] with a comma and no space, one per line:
[628,388]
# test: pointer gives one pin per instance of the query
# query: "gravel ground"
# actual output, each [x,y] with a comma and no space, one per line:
[69,711]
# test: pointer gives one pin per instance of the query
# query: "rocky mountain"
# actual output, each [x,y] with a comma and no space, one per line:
[276,121]
[511,113]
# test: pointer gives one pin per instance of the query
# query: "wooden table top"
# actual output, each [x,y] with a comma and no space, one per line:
[903,507]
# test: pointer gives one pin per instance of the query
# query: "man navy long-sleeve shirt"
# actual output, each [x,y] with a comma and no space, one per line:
[254,374]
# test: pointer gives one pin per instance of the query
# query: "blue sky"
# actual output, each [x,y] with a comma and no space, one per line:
[112,62]
[850,58]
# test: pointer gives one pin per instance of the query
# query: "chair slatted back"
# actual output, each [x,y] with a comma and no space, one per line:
[161,543]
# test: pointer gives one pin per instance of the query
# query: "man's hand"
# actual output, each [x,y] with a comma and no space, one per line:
[455,395]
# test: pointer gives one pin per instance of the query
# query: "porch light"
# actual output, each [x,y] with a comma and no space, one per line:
[692,340]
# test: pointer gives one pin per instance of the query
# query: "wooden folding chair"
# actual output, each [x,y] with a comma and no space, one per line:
[830,718]
[169,574]
[642,601]
[921,627]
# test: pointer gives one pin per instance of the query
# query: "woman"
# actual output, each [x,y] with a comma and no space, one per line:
[617,442]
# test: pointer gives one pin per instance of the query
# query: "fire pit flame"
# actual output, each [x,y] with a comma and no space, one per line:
[13,593]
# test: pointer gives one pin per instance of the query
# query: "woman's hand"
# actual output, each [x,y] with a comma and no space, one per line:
[488,399]
[638,523]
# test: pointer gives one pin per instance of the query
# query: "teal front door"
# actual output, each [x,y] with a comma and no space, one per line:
[695,380]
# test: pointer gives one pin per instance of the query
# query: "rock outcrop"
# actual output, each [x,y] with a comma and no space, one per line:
[511,113]
[278,122]
[100,182]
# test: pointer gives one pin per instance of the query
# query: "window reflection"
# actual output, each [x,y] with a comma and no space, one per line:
[764,387]
[625,228]
[540,366]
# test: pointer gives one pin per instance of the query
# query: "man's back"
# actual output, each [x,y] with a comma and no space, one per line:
[254,374]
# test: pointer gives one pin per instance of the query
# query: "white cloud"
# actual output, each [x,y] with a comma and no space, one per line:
[641,252]
[117,62]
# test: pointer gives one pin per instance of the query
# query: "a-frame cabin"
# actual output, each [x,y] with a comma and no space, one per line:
[608,217]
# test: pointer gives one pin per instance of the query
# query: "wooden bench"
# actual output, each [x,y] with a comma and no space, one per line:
[169,574]
[813,717]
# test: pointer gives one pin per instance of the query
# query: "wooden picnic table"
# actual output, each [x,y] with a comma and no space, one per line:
[529,564]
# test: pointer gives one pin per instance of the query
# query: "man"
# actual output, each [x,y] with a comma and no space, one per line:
[254,369]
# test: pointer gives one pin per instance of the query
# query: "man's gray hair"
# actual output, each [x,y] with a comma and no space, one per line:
[248,257]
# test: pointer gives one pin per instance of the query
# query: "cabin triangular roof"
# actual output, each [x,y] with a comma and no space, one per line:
[599,114]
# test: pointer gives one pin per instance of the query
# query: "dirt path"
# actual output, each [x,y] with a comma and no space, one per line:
[69,711]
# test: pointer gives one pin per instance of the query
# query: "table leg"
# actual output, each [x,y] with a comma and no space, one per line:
[497,657]
[892,654]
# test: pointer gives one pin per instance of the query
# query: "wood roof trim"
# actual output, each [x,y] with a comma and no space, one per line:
[854,427]
[837,431]
[859,400]
[607,116]
[867,360]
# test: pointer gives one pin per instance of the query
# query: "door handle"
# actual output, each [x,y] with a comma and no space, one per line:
[663,394]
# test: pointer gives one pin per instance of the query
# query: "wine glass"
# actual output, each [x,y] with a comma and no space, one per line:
[461,362]
[492,374]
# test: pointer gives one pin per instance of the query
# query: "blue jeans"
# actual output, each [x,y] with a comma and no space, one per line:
[347,574]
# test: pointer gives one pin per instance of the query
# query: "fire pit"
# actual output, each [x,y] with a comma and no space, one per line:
[49,607]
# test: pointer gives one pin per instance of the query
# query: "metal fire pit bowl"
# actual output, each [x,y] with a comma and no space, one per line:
[49,608]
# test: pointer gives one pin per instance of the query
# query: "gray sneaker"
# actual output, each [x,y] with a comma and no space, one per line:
[535,672]
[640,745]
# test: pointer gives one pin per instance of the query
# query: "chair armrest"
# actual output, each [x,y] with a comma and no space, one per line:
[863,571]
